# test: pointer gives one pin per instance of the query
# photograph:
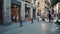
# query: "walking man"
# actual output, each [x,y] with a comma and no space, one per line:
[49,15]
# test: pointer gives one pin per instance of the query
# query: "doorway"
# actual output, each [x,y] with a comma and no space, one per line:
[27,14]
[1,11]
[34,13]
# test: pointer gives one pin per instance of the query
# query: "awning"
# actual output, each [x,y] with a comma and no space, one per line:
[15,2]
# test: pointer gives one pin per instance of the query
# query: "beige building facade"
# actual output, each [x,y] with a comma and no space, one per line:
[40,7]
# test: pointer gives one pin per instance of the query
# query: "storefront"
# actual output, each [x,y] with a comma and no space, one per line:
[27,12]
[15,11]
[1,11]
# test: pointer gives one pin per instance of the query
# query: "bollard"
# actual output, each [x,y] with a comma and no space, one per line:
[38,19]
[31,21]
[21,23]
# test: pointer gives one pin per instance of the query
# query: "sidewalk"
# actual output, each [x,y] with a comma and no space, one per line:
[15,26]
[35,28]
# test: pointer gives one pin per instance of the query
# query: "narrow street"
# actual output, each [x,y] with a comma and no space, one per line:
[29,16]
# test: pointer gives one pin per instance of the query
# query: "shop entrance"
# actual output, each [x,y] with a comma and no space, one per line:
[27,14]
[1,11]
[15,13]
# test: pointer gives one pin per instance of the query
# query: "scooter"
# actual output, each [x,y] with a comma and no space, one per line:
[58,21]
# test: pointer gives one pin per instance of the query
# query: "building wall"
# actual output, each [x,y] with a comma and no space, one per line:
[59,10]
[56,9]
[40,7]
[6,11]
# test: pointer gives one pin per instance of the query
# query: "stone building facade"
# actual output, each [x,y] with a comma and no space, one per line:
[16,10]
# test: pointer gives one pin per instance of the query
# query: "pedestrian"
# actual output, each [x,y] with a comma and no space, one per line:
[31,20]
[49,15]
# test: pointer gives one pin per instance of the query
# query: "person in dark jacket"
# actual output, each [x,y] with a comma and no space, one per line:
[49,15]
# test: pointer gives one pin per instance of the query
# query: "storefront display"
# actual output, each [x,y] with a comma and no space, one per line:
[15,13]
[15,10]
